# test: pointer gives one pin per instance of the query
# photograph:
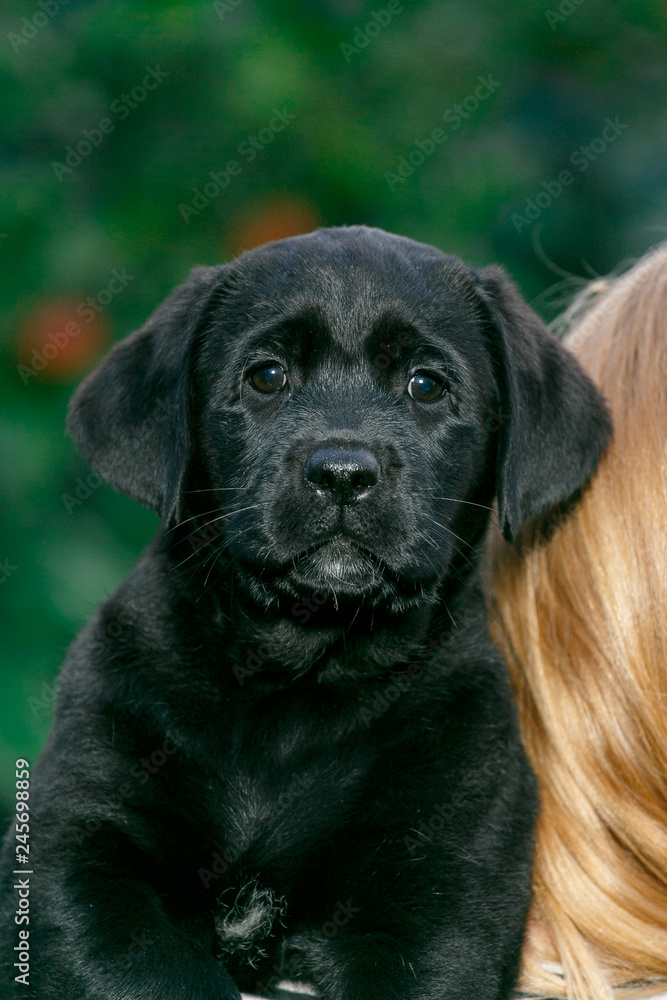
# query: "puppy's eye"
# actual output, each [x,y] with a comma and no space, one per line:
[267,378]
[426,387]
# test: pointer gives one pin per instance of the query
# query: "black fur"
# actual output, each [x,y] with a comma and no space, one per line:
[286,746]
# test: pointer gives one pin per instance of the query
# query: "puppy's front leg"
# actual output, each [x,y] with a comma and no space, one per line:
[385,967]
[98,932]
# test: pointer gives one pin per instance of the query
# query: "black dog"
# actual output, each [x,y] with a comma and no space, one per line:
[286,746]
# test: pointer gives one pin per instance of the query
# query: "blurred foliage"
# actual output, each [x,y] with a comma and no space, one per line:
[361,98]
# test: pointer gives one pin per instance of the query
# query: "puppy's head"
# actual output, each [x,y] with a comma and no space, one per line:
[343,407]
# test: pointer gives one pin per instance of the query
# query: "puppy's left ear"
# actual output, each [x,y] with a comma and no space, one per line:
[554,423]
[131,417]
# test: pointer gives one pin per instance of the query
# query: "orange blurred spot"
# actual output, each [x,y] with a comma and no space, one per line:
[62,338]
[275,219]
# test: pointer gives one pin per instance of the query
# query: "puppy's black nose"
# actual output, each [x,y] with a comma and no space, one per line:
[342,474]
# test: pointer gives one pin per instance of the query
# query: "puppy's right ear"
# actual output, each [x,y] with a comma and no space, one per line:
[130,418]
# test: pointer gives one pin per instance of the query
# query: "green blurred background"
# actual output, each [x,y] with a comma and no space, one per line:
[356,103]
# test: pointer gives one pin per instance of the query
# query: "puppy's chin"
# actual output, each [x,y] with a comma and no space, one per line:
[339,575]
[338,567]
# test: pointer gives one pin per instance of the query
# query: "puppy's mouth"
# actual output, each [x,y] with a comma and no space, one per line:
[339,566]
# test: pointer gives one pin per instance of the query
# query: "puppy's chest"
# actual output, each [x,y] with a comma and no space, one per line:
[280,791]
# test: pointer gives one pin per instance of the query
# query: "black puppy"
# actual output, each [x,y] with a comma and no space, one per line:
[286,746]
